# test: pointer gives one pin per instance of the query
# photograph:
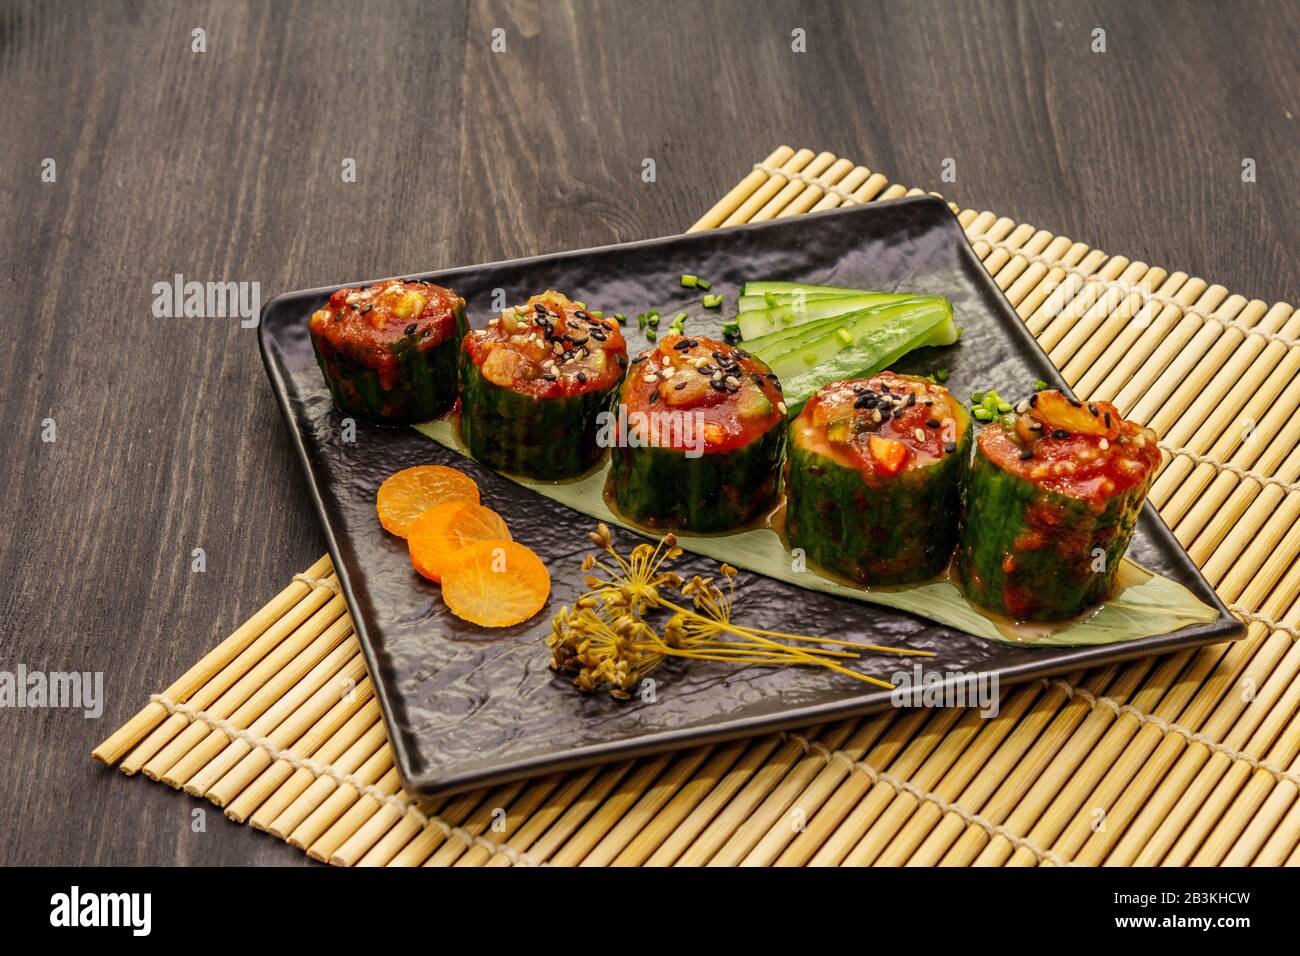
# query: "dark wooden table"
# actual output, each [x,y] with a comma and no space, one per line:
[227,165]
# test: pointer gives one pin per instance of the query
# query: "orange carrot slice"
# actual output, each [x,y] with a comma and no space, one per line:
[437,536]
[495,583]
[409,493]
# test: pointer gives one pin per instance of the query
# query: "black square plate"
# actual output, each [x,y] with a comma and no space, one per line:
[467,707]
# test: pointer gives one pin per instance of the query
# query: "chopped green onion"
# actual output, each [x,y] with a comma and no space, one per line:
[1039,385]
[977,398]
[652,319]
[731,329]
[651,334]
[581,305]
[596,314]
[712,301]
[690,281]
[1004,407]
[640,320]
[700,283]
[941,375]
[983,414]
[844,336]
[680,318]
[620,318]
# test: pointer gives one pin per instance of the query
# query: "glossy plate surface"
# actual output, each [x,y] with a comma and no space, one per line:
[467,707]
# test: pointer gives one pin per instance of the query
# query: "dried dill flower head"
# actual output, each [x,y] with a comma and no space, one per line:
[608,639]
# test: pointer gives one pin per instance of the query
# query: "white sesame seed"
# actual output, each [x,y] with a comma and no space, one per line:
[780,407]
[920,435]
[1103,444]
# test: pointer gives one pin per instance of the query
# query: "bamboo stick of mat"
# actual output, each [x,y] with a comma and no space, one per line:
[1184,355]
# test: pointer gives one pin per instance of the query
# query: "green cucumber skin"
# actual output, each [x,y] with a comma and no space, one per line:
[662,488]
[902,530]
[1056,580]
[425,387]
[543,438]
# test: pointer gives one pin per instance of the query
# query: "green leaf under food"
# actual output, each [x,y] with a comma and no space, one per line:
[1145,605]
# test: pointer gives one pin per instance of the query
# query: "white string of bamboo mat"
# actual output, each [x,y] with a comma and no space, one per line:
[1254,617]
[314,583]
[1287,486]
[1146,294]
[1167,727]
[317,769]
[924,796]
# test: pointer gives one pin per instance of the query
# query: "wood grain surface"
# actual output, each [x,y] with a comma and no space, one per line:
[226,165]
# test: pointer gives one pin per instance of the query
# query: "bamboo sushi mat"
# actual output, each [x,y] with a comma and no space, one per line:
[1190,758]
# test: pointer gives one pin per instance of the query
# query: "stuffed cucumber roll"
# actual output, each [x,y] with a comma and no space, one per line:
[1055,492]
[388,352]
[533,384]
[876,471]
[704,437]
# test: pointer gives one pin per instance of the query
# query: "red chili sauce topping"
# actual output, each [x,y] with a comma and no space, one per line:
[1085,451]
[550,347]
[882,425]
[363,325]
[731,396]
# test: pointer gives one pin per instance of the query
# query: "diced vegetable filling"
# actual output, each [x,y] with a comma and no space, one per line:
[370,326]
[881,426]
[549,347]
[734,396]
[1081,450]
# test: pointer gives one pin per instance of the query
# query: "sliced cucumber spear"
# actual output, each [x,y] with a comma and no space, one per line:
[853,346]
[810,288]
[757,322]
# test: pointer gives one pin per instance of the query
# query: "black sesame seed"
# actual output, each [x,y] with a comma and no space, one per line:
[685,344]
[1033,400]
[864,401]
[740,353]
[950,447]
[679,386]
[582,378]
[539,308]
[1026,455]
[1060,433]
[549,376]
[1108,419]
[932,423]
[579,314]
[898,413]
[654,396]
[621,360]
[410,329]
[1093,408]
[911,399]
[366,309]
